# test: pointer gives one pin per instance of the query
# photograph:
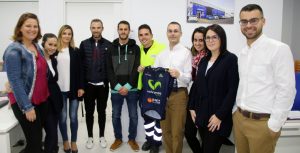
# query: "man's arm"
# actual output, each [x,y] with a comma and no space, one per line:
[185,76]
[284,77]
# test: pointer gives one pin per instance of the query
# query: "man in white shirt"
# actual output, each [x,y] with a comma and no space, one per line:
[178,59]
[267,86]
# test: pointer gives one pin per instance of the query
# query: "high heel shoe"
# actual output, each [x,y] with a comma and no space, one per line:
[67,150]
[74,151]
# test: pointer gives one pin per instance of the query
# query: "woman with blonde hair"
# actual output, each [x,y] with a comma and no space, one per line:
[70,82]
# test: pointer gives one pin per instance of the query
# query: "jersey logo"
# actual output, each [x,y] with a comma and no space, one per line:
[153,87]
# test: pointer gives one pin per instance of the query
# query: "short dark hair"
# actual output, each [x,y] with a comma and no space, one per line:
[251,7]
[46,37]
[176,23]
[145,26]
[198,30]
[17,32]
[97,20]
[124,22]
[221,34]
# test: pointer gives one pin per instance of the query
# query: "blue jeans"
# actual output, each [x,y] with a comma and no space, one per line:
[117,103]
[73,109]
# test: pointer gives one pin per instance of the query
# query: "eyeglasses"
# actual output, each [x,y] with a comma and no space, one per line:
[211,38]
[252,21]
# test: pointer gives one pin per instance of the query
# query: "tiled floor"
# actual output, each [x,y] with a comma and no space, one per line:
[82,136]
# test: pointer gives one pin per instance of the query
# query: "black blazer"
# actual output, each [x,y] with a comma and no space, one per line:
[215,92]
[55,99]
[76,74]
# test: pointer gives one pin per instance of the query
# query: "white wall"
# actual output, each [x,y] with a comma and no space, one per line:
[290,26]
[9,14]
[158,14]
[295,45]
[287,21]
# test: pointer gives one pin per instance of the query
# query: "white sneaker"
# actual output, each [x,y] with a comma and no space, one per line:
[103,143]
[90,143]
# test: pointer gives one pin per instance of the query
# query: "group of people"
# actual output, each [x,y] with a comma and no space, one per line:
[251,92]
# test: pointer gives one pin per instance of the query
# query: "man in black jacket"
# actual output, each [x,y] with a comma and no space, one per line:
[94,55]
[123,61]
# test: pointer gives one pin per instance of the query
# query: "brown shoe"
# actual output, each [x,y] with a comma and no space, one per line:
[134,146]
[116,145]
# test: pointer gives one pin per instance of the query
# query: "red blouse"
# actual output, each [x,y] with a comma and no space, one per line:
[40,91]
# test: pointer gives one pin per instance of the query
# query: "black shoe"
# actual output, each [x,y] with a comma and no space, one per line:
[56,150]
[154,149]
[146,146]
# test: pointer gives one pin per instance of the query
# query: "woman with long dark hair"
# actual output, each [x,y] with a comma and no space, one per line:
[198,51]
[214,90]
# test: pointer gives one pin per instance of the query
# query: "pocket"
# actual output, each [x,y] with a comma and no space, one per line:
[273,134]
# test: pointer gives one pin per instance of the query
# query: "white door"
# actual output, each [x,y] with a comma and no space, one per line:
[79,16]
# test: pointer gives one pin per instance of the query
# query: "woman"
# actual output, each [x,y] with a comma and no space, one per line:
[27,74]
[49,42]
[70,82]
[198,51]
[214,90]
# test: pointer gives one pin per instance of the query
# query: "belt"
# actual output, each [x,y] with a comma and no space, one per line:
[179,89]
[252,115]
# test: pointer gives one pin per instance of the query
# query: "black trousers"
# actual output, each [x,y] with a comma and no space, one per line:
[95,95]
[211,142]
[191,134]
[32,130]
[51,124]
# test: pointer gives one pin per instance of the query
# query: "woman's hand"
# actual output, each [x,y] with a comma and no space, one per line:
[30,115]
[80,92]
[193,115]
[214,123]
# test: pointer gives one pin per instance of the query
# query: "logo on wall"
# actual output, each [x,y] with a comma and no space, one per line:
[156,84]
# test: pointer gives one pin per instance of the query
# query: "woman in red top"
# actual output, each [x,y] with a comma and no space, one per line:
[27,74]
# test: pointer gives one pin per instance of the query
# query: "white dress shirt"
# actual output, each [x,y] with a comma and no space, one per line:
[63,69]
[267,80]
[179,58]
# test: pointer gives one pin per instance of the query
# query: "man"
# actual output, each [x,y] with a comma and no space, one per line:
[123,62]
[149,50]
[94,55]
[267,86]
[178,59]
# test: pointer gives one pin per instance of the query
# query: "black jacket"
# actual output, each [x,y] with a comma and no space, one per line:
[55,99]
[93,59]
[122,63]
[215,92]
[76,75]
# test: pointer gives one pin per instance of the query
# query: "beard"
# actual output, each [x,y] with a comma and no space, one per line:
[96,35]
[254,36]
[123,37]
